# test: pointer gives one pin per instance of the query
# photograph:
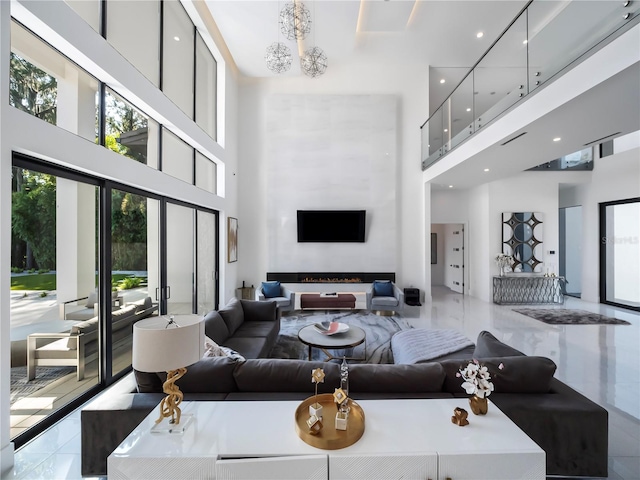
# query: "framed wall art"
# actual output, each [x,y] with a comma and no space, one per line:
[232,239]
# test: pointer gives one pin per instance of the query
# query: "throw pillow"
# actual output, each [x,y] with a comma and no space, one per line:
[271,289]
[212,349]
[382,288]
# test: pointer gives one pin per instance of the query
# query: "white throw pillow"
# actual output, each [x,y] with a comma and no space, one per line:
[212,349]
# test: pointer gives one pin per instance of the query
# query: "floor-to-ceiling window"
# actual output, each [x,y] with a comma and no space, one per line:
[620,253]
[121,242]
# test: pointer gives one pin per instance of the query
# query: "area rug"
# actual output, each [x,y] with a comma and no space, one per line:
[563,316]
[378,329]
[21,387]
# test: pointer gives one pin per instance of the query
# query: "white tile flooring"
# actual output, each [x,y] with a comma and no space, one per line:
[600,361]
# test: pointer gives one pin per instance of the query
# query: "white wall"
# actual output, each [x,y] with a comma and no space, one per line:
[409,85]
[322,155]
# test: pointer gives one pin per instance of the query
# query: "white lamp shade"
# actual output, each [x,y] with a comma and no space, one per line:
[161,348]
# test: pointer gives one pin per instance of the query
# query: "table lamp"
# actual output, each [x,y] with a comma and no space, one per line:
[168,344]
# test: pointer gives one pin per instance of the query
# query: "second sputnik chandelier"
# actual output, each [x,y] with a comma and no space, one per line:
[295,24]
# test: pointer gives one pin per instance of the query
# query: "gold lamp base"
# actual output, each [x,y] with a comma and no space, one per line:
[169,406]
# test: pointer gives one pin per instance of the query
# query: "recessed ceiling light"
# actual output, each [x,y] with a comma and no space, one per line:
[626,16]
[525,41]
[468,109]
[480,34]
[486,169]
[627,3]
[442,80]
[176,38]
[557,139]
[450,186]
[446,130]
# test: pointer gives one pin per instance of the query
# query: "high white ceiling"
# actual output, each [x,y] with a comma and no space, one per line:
[442,35]
[437,33]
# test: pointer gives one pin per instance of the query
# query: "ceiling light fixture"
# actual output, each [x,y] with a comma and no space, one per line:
[442,80]
[313,62]
[176,38]
[480,34]
[468,109]
[486,169]
[627,3]
[450,186]
[525,41]
[278,57]
[295,21]
[557,139]
[626,15]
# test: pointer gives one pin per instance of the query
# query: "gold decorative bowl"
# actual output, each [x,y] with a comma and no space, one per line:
[329,438]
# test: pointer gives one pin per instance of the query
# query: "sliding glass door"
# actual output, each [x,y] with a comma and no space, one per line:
[191,266]
[54,292]
[135,268]
[620,253]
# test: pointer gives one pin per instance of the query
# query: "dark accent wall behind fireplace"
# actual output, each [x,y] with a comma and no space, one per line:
[329,277]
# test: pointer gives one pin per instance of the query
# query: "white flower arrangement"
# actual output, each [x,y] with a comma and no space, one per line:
[503,260]
[477,379]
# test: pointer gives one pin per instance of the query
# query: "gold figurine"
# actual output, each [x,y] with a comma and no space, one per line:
[460,417]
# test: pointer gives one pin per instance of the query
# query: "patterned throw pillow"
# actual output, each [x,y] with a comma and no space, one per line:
[212,349]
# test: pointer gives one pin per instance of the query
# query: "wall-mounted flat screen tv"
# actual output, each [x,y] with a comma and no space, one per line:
[331,225]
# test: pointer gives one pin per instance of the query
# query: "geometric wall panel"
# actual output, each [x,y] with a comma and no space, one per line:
[522,238]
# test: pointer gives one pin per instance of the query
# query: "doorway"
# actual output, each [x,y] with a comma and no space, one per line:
[570,250]
[447,256]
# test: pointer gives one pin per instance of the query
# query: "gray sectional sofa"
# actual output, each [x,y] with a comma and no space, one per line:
[568,426]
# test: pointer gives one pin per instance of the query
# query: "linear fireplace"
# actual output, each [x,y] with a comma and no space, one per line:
[329,277]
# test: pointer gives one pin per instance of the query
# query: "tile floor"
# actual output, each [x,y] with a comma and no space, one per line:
[600,361]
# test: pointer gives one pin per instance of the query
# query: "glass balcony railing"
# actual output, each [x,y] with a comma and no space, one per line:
[544,39]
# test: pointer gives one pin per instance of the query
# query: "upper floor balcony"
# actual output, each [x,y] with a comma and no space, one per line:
[543,42]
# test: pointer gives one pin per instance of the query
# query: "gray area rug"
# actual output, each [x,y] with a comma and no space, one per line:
[21,387]
[563,316]
[378,329]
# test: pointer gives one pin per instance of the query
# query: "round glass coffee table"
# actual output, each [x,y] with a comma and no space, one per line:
[351,338]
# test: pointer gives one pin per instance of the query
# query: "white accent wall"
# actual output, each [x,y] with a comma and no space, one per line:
[408,85]
[322,156]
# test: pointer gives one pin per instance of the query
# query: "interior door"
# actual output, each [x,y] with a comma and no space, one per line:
[454,256]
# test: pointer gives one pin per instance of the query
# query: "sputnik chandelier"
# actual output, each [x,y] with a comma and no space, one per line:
[278,57]
[295,24]
[295,21]
[313,62]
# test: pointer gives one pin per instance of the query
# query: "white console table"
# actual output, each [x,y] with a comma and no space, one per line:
[407,439]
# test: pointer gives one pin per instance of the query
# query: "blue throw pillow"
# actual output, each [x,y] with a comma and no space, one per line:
[271,289]
[382,288]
